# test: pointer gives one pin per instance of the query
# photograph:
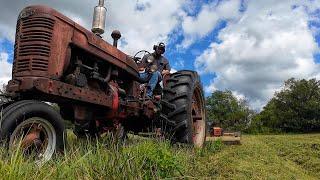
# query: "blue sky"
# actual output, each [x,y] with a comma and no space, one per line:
[7,46]
[184,59]
[248,47]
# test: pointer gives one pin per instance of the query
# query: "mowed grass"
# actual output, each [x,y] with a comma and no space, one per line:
[268,157]
[259,157]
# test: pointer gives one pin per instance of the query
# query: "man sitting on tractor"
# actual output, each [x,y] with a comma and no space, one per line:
[156,66]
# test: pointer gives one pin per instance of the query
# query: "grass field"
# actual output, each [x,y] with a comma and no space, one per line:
[268,157]
[259,157]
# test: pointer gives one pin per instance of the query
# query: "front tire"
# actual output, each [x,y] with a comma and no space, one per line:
[35,127]
[183,108]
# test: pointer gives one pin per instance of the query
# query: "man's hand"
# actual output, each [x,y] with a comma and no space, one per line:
[153,68]
[165,72]
[141,69]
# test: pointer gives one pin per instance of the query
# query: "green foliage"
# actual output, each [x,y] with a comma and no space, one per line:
[226,111]
[302,150]
[296,108]
[140,158]
[210,148]
[157,161]
[259,157]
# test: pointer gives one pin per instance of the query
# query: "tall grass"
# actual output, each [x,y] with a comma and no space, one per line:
[259,157]
[138,158]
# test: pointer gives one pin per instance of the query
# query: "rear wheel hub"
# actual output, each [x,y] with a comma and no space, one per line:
[35,137]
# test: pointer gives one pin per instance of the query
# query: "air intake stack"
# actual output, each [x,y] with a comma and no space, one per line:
[99,18]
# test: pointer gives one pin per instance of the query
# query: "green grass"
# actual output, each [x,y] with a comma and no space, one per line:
[259,157]
[267,157]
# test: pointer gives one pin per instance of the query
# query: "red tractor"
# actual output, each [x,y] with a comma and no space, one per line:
[96,86]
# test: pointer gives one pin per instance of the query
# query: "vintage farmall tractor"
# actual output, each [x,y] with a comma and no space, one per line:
[96,86]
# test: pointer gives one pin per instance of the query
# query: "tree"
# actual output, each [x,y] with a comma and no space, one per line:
[3,99]
[3,89]
[226,111]
[296,108]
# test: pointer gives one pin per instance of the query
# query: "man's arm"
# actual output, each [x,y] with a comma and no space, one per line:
[166,68]
[143,63]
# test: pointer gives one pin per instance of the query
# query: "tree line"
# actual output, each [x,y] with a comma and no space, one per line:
[295,108]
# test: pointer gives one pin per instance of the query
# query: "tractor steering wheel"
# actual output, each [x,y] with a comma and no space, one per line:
[139,55]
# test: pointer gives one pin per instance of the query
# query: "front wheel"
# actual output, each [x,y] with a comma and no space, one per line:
[183,108]
[33,127]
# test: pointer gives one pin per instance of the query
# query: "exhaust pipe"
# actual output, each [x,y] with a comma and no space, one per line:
[99,18]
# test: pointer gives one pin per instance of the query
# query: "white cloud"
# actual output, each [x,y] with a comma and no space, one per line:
[140,29]
[142,23]
[269,44]
[260,47]
[173,70]
[205,21]
[5,73]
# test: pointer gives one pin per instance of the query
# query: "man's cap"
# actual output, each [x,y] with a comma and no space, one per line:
[162,46]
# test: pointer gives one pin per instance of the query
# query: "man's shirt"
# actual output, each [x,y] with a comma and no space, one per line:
[161,62]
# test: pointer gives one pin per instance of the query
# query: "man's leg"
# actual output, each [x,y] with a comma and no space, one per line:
[155,77]
[143,75]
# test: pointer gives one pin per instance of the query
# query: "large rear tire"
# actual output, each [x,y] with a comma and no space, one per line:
[35,127]
[183,108]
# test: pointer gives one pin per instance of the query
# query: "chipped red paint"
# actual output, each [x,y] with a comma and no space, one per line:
[57,60]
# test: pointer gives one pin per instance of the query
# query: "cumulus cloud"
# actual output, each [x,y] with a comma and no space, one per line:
[195,27]
[260,47]
[270,43]
[142,28]
[5,73]
[142,23]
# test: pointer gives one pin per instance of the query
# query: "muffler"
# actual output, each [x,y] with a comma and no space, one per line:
[99,18]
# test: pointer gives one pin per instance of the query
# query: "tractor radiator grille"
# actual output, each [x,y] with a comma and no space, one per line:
[32,46]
